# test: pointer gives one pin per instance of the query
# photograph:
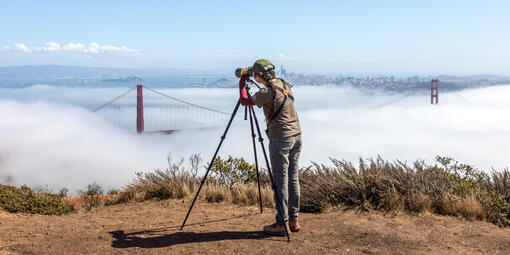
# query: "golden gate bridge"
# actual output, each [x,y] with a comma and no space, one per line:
[421,96]
[161,113]
[157,112]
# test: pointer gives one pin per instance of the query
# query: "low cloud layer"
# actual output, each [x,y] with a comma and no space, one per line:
[48,140]
[92,48]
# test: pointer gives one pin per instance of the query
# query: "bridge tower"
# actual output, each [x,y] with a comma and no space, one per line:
[139,108]
[434,91]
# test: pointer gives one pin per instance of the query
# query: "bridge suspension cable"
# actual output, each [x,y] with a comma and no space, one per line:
[391,101]
[113,100]
[418,96]
[157,112]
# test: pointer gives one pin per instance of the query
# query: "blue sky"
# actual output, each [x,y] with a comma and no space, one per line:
[398,37]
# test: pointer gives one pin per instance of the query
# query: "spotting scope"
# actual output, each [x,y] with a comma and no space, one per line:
[240,71]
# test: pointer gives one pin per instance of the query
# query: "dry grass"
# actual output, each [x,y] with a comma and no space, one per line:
[181,182]
[418,202]
[447,188]
[466,207]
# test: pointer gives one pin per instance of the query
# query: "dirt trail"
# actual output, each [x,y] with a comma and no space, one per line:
[153,228]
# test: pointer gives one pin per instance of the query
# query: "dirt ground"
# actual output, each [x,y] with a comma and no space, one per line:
[153,228]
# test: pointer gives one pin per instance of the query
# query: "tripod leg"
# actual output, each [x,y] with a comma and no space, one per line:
[279,208]
[212,161]
[256,160]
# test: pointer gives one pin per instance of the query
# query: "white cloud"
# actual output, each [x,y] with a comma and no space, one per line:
[110,48]
[93,48]
[59,164]
[75,47]
[6,47]
[281,55]
[51,46]
[22,47]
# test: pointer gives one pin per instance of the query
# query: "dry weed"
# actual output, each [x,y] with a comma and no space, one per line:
[447,188]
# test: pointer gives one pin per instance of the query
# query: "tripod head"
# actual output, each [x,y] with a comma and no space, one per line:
[248,90]
[252,82]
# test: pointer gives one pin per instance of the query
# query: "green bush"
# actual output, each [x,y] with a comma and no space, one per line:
[25,200]
[233,171]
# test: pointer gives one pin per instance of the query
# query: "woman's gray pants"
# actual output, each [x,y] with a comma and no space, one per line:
[284,153]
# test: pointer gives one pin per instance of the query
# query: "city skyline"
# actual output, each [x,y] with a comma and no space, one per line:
[396,37]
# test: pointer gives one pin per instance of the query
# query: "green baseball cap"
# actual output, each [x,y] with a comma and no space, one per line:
[261,67]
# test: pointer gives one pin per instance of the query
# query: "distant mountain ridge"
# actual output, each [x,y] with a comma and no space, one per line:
[76,72]
[488,77]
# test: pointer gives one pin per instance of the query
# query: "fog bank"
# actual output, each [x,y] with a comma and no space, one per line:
[49,137]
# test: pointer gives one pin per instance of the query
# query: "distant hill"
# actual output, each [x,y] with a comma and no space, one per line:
[20,76]
[47,72]
[487,77]
[124,79]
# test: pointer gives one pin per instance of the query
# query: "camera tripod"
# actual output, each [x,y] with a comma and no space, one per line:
[253,120]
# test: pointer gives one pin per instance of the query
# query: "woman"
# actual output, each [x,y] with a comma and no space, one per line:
[284,134]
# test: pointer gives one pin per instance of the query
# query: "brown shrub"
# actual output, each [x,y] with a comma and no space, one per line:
[418,202]
[500,183]
[214,193]
[248,194]
[446,188]
[392,201]
[466,207]
[179,181]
